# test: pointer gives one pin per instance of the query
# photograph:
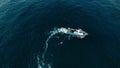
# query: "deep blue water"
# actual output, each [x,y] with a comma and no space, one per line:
[25,24]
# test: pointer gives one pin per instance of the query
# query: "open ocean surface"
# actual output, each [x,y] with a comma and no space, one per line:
[25,26]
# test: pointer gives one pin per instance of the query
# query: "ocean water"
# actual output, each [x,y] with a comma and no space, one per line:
[25,26]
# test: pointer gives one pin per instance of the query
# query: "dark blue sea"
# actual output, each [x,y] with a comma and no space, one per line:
[25,26]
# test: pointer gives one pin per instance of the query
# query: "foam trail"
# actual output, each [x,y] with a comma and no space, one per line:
[41,62]
[52,33]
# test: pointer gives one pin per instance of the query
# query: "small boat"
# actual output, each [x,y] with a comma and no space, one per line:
[79,33]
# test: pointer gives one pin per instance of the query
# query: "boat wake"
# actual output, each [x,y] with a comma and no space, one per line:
[68,32]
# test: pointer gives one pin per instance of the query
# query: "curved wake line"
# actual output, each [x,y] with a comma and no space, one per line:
[52,33]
